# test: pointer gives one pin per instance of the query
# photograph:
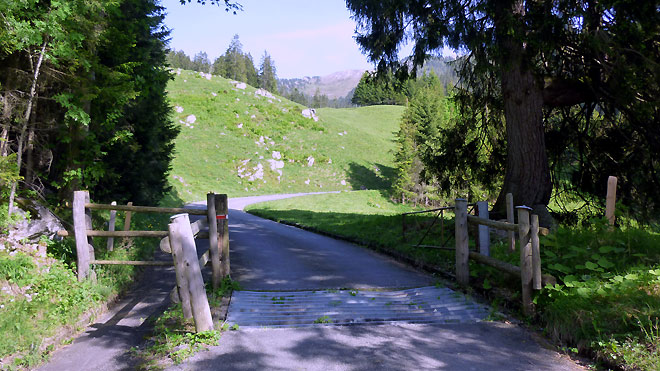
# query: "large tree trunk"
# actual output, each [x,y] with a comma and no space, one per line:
[527,174]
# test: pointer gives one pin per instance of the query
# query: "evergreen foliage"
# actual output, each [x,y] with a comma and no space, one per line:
[179,59]
[148,146]
[83,90]
[267,74]
[379,89]
[201,63]
[236,65]
[419,144]
[579,76]
[232,64]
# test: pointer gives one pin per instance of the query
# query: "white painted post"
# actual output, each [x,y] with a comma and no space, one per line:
[484,231]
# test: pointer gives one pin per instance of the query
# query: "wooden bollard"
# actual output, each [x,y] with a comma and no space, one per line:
[214,246]
[510,219]
[484,231]
[525,259]
[193,273]
[111,227]
[610,201]
[222,209]
[127,223]
[82,221]
[176,248]
[462,248]
[536,253]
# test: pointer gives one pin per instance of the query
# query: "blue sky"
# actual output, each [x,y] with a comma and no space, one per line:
[304,37]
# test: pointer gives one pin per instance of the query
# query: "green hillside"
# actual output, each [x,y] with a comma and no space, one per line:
[237,142]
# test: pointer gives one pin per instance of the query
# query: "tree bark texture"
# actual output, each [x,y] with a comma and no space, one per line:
[527,174]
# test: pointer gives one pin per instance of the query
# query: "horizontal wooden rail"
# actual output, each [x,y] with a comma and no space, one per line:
[94,233]
[197,230]
[435,247]
[506,267]
[429,211]
[126,233]
[502,225]
[147,209]
[492,223]
[132,262]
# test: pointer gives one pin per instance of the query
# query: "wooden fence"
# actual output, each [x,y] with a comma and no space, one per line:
[178,240]
[440,215]
[528,230]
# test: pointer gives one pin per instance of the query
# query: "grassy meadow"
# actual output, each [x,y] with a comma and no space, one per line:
[237,142]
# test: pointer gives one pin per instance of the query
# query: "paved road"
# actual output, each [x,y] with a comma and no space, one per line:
[481,346]
[270,256]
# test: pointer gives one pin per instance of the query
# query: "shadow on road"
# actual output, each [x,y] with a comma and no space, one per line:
[481,346]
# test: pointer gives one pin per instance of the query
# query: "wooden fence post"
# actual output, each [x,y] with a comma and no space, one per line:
[484,231]
[536,253]
[127,222]
[82,221]
[525,259]
[111,226]
[222,209]
[214,247]
[510,219]
[610,202]
[179,267]
[198,300]
[462,249]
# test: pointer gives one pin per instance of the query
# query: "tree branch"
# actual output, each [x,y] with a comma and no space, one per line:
[563,92]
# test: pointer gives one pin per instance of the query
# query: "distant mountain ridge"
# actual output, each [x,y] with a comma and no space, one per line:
[339,86]
[335,85]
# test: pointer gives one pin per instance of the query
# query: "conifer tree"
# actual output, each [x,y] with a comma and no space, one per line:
[267,73]
[137,164]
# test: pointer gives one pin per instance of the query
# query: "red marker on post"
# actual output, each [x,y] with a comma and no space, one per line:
[222,217]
